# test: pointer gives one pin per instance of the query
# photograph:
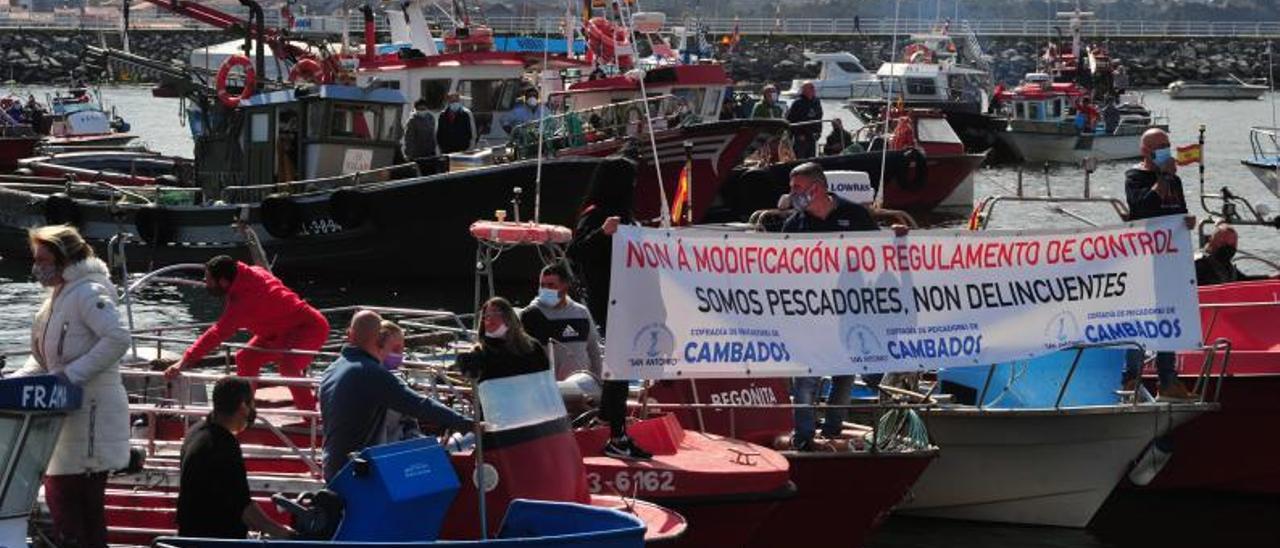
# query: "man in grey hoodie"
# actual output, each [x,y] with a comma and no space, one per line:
[420,133]
[555,317]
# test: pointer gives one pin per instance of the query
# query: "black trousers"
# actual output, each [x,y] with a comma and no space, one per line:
[613,406]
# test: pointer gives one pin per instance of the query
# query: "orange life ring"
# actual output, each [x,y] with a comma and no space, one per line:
[913,49]
[507,232]
[307,70]
[250,79]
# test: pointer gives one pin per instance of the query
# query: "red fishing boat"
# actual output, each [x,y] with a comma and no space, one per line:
[854,488]
[1244,314]
[717,481]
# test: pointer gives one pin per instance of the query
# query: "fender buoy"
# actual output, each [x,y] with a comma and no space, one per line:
[307,70]
[281,216]
[60,209]
[507,232]
[914,158]
[349,208]
[154,225]
[250,80]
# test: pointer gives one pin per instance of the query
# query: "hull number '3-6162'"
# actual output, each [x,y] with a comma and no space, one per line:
[626,481]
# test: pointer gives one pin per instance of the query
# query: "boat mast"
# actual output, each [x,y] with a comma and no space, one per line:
[888,101]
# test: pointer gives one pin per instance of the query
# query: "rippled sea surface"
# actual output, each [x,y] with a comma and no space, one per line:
[1127,520]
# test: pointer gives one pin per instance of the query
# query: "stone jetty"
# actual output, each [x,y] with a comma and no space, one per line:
[53,57]
[1150,63]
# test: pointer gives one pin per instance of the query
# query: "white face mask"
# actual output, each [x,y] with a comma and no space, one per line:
[498,333]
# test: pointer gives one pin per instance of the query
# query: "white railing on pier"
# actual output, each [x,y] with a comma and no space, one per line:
[749,26]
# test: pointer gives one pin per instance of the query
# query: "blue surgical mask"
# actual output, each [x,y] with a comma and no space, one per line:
[455,106]
[393,361]
[548,296]
[1162,156]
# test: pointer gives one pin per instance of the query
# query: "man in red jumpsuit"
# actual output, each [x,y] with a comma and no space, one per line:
[259,302]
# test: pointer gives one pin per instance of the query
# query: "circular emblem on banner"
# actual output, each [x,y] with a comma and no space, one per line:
[1062,330]
[860,340]
[653,341]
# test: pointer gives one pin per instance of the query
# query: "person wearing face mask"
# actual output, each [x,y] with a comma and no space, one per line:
[504,349]
[213,493]
[260,303]
[77,335]
[1153,189]
[1214,266]
[420,132]
[806,110]
[554,317]
[396,427]
[357,391]
[526,111]
[456,128]
[815,209]
[768,106]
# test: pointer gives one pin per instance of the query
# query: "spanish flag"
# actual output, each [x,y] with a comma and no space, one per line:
[1189,154]
[680,207]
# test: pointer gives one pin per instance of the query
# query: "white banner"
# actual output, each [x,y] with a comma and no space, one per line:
[688,303]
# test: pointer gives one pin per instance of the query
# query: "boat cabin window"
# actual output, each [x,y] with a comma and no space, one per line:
[692,97]
[354,121]
[1056,106]
[390,125]
[849,66]
[1020,110]
[383,84]
[489,95]
[1035,111]
[922,86]
[434,91]
[260,127]
[936,130]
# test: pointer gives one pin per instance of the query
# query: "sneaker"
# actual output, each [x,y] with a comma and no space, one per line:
[805,446]
[624,448]
[1176,392]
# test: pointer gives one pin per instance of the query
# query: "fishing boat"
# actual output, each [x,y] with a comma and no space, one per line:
[925,169]
[116,166]
[1225,89]
[1265,161]
[935,72]
[837,74]
[854,485]
[1056,122]
[1241,317]
[80,118]
[1037,442]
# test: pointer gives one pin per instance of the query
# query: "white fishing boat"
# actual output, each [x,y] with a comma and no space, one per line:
[1043,443]
[1265,161]
[836,76]
[1043,123]
[1225,89]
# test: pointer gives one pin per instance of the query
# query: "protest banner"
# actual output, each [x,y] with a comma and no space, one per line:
[691,303]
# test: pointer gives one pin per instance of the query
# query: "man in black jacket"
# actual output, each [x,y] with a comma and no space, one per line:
[805,115]
[456,127]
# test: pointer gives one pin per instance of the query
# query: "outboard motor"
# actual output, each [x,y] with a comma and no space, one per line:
[580,392]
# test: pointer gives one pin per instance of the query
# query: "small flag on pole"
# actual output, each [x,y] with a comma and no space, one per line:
[1189,154]
[679,207]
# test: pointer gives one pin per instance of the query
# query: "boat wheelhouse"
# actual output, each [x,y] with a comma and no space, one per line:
[837,73]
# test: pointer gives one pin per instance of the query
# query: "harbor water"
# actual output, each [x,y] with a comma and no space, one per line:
[1127,520]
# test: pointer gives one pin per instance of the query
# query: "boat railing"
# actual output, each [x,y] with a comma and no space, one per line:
[1265,142]
[580,127]
[254,193]
[982,214]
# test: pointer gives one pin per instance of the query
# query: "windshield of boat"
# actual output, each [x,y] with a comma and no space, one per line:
[25,479]
[936,130]
[850,67]
[364,122]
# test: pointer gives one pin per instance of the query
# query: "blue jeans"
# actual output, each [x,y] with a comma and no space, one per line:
[1165,366]
[804,390]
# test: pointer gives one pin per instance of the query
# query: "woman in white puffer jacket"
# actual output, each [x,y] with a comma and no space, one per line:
[77,334]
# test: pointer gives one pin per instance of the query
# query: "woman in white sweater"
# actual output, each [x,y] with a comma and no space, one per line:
[77,334]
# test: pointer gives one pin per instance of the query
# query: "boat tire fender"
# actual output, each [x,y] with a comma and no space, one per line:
[60,209]
[250,80]
[349,208]
[281,216]
[154,225]
[914,158]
